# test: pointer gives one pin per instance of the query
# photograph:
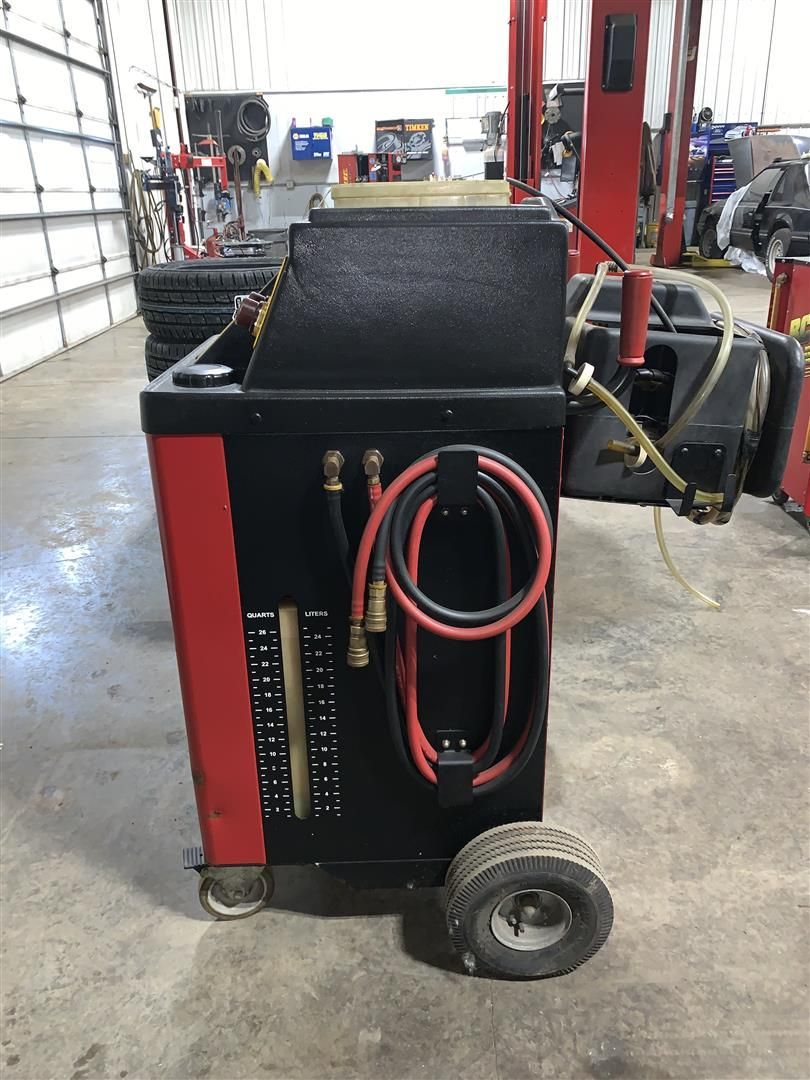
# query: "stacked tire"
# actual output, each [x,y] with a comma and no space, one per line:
[184,303]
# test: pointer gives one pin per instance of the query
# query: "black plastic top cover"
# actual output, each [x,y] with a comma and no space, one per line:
[401,299]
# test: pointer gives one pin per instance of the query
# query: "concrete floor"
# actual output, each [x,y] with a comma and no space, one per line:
[678,743]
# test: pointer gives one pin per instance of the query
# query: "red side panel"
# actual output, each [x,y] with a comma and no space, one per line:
[790,314]
[194,514]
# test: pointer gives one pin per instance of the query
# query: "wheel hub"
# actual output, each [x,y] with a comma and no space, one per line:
[530,920]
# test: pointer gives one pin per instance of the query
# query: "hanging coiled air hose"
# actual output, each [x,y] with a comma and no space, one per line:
[388,557]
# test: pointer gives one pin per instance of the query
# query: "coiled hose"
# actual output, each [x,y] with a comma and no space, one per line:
[390,549]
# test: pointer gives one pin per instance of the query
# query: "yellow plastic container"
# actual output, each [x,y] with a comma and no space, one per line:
[423,193]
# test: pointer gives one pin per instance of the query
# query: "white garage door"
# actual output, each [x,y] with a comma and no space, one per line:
[66,269]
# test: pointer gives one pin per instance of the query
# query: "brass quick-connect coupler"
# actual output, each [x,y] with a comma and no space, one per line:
[357,652]
[332,464]
[372,463]
[375,611]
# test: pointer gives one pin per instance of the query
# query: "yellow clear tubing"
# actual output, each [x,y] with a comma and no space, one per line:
[723,352]
[663,466]
[673,569]
[584,312]
[714,498]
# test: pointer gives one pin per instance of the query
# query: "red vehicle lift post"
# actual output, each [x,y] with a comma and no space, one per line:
[525,100]
[677,133]
[611,136]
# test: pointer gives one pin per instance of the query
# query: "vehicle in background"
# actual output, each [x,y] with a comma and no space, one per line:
[772,219]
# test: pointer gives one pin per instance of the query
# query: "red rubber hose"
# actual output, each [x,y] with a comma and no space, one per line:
[413,472]
[374,494]
[422,752]
[418,741]
[479,633]
[457,633]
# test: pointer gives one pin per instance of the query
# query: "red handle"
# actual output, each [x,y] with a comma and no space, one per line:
[637,288]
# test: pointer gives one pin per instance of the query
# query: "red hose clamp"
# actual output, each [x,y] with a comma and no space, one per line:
[637,286]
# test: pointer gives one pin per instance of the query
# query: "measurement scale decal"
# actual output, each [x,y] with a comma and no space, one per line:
[318,662]
[269,712]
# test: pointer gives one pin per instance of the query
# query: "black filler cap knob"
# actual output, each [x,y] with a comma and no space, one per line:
[201,375]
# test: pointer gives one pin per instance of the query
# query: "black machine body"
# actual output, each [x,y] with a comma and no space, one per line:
[393,405]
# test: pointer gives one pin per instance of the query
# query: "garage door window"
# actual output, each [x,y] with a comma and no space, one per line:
[66,269]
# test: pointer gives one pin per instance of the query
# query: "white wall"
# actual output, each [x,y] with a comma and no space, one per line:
[139,53]
[354,116]
[787,88]
[751,60]
[355,63]
[306,45]
[368,60]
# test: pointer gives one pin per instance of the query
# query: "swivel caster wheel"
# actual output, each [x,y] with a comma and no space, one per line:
[235,892]
[527,901]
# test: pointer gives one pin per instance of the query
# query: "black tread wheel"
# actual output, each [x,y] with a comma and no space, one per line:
[708,244]
[527,901]
[190,301]
[515,836]
[207,282]
[778,246]
[188,324]
[161,355]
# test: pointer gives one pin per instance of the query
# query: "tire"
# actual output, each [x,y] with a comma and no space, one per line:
[708,244]
[204,282]
[186,324]
[190,301]
[527,901]
[161,355]
[778,246]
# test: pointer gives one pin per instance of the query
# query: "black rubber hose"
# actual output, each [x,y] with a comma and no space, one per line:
[334,502]
[382,542]
[540,618]
[538,718]
[515,513]
[614,256]
[383,539]
[537,721]
[408,503]
[406,508]
[523,532]
[500,701]
[538,712]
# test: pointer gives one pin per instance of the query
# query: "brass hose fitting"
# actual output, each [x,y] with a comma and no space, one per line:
[372,463]
[357,652]
[252,312]
[332,464]
[376,621]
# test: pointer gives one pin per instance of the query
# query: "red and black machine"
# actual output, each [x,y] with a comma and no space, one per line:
[375,167]
[357,486]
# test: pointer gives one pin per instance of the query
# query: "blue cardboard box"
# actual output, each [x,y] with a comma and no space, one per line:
[311,143]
